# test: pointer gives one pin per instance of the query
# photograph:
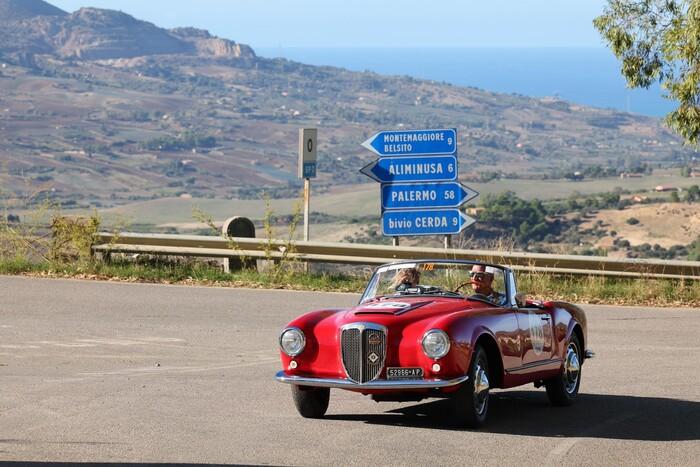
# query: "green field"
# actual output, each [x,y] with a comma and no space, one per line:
[363,200]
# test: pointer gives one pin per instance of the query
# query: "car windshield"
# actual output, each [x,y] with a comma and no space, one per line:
[451,279]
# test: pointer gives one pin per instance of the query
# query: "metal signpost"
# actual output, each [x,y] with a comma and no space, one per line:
[307,169]
[413,143]
[412,169]
[425,195]
[404,223]
[418,172]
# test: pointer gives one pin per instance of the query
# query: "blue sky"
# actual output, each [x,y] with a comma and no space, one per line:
[375,23]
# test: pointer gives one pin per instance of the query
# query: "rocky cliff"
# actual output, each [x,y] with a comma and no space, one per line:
[206,44]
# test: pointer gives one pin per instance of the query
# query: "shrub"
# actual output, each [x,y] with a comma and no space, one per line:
[73,238]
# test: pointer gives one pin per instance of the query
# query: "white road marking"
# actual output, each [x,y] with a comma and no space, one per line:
[86,343]
[559,452]
[150,371]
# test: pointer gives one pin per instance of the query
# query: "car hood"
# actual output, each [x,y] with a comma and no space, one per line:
[404,310]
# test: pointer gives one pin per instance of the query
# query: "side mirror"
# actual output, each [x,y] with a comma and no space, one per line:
[520,299]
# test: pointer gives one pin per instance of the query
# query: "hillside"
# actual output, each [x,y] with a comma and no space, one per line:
[99,108]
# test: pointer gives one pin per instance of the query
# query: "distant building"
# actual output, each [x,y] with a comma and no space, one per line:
[630,175]
[662,188]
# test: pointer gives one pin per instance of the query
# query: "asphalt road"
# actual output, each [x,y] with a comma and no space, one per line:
[110,372]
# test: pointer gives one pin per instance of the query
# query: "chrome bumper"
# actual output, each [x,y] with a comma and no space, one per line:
[283,377]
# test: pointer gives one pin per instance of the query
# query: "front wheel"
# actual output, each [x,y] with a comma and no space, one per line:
[471,400]
[563,389]
[311,402]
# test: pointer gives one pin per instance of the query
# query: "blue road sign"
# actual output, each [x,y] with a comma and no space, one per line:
[425,195]
[413,143]
[412,169]
[309,170]
[424,222]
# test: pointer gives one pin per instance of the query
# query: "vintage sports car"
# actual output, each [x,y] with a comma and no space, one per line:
[452,329]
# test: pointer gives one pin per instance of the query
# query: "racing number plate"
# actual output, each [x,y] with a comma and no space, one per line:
[404,373]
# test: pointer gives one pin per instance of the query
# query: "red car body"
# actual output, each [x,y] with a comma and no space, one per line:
[523,342]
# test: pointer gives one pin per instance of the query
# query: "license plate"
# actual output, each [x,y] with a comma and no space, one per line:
[404,373]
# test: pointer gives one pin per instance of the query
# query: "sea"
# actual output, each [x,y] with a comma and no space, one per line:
[588,76]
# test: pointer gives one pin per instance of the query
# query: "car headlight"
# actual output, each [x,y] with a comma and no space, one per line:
[435,343]
[292,341]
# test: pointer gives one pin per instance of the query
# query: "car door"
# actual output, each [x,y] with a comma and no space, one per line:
[536,335]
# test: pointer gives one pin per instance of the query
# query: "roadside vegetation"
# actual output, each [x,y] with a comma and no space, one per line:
[63,250]
[537,286]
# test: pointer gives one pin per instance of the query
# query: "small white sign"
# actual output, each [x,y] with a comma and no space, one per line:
[307,152]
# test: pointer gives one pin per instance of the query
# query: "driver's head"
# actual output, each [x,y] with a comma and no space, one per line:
[410,277]
[481,279]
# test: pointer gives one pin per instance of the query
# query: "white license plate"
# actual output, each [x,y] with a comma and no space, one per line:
[404,373]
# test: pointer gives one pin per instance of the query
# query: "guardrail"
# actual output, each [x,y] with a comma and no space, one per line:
[349,253]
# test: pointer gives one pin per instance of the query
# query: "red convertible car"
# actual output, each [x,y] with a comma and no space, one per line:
[451,329]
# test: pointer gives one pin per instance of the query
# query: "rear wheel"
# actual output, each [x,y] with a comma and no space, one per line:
[471,400]
[563,389]
[311,402]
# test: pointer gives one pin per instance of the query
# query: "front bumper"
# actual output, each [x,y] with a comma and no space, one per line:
[399,384]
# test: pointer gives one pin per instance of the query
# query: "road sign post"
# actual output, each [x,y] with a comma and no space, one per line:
[420,192]
[413,142]
[405,223]
[307,169]
[425,195]
[409,169]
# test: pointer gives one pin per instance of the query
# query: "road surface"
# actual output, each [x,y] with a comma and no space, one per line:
[114,372]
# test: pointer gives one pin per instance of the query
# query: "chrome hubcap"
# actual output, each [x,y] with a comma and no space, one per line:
[572,369]
[481,389]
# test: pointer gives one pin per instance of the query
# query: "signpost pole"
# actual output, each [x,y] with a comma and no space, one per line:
[448,242]
[307,202]
[395,241]
[307,171]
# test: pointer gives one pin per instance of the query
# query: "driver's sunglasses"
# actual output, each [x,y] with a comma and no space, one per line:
[478,275]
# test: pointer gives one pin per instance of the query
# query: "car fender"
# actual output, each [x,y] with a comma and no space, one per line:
[318,327]
[465,328]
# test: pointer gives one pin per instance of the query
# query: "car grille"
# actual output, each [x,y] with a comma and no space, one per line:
[363,348]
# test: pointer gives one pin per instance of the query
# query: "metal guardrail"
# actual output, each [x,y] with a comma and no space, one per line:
[348,253]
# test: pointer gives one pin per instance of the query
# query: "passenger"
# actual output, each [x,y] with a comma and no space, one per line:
[406,279]
[482,283]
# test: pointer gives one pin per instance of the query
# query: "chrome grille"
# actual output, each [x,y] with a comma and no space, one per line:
[363,349]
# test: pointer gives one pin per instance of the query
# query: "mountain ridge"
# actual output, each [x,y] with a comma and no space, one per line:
[37,27]
[14,10]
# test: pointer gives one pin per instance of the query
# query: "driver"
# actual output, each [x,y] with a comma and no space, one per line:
[482,283]
[405,279]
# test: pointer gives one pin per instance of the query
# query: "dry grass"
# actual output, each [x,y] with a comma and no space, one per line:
[613,291]
[64,251]
[576,289]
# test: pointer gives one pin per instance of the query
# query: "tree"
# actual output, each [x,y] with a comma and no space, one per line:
[659,41]
[693,194]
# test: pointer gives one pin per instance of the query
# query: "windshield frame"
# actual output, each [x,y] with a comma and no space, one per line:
[508,279]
